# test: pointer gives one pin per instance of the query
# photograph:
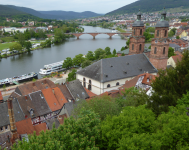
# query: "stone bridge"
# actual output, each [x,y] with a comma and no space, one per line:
[96,33]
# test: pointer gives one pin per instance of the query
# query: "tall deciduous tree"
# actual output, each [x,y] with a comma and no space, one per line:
[98,52]
[171,52]
[72,75]
[67,63]
[107,50]
[78,59]
[90,56]
[86,63]
[28,45]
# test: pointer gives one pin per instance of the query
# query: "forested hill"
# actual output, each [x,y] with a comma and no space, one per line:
[46,14]
[8,12]
[151,6]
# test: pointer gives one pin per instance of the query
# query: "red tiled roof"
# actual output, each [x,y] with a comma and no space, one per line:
[25,126]
[130,83]
[61,118]
[177,58]
[148,78]
[1,96]
[59,96]
[51,99]
[40,127]
[91,94]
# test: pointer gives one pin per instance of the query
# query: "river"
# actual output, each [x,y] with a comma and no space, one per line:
[33,61]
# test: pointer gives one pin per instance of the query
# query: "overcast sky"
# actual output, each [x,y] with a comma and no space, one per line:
[98,6]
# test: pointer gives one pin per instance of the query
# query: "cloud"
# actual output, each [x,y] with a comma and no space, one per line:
[98,6]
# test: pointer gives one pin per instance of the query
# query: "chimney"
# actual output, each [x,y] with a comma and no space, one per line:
[53,91]
[12,120]
[26,97]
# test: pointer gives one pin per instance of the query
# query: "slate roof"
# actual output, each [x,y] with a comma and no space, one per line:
[50,123]
[4,117]
[174,45]
[77,90]
[116,68]
[65,92]
[69,107]
[18,113]
[27,88]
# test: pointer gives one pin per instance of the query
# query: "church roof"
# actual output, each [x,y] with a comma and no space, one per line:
[163,23]
[116,68]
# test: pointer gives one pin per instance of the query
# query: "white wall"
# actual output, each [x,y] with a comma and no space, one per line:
[171,62]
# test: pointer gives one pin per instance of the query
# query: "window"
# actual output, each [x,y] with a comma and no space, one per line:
[155,50]
[84,85]
[140,47]
[89,86]
[117,83]
[132,46]
[89,81]
[108,85]
[164,50]
[134,31]
[6,127]
[1,128]
[157,33]
[140,31]
[165,33]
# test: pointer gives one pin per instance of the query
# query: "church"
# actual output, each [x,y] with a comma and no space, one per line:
[111,73]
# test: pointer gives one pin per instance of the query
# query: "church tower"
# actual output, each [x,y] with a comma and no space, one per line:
[137,40]
[160,44]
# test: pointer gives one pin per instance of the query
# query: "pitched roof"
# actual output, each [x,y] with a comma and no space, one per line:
[50,123]
[91,94]
[130,83]
[116,68]
[69,107]
[174,45]
[148,78]
[1,96]
[4,117]
[59,96]
[177,58]
[26,127]
[18,113]
[27,88]
[51,99]
[77,90]
[65,92]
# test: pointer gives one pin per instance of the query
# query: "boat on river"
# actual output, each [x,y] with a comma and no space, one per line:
[50,68]
[16,79]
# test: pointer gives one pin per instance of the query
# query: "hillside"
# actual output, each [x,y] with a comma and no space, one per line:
[8,12]
[52,14]
[151,6]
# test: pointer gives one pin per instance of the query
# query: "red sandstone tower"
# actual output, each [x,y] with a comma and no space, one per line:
[12,120]
[137,40]
[160,44]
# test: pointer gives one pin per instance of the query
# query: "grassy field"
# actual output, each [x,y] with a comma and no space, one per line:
[6,45]
[7,39]
[120,30]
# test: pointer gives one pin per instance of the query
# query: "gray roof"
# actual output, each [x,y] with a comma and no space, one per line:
[51,121]
[4,117]
[174,45]
[69,107]
[77,90]
[117,68]
[40,104]
[123,52]
[138,23]
[163,23]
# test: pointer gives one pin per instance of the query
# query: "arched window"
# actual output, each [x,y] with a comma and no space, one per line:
[108,85]
[164,50]
[155,50]
[140,31]
[134,31]
[89,86]
[132,46]
[165,33]
[117,83]
[157,33]
[84,85]
[140,47]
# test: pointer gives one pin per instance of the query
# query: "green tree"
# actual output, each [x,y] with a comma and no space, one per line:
[151,29]
[59,35]
[107,50]
[86,63]
[132,121]
[147,24]
[72,75]
[83,133]
[123,48]
[114,52]
[148,36]
[98,52]
[177,37]
[149,47]
[90,56]
[171,34]
[28,45]
[68,63]
[102,105]
[78,60]
[16,46]
[171,52]
[128,42]
[21,39]
[170,85]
